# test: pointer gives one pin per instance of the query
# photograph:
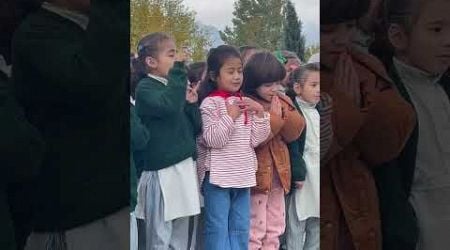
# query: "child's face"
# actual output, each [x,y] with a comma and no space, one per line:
[310,91]
[230,75]
[292,64]
[268,90]
[334,39]
[428,44]
[165,60]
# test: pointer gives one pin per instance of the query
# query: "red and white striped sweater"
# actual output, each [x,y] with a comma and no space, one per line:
[226,148]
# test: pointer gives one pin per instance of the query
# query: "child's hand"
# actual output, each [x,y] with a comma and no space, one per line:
[299,184]
[234,110]
[183,55]
[254,106]
[275,106]
[191,95]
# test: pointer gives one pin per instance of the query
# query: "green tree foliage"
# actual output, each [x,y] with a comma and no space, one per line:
[256,22]
[292,29]
[170,16]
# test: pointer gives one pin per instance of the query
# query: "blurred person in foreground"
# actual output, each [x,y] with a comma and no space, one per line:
[70,62]
[371,124]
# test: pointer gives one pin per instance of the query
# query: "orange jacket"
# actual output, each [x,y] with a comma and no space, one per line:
[274,152]
[364,137]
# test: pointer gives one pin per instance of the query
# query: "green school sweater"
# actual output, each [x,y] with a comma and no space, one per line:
[174,123]
[71,84]
[21,151]
[139,136]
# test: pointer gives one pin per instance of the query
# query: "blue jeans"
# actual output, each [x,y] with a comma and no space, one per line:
[227,217]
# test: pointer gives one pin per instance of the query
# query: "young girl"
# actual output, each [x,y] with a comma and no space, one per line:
[233,126]
[371,125]
[263,74]
[196,73]
[303,227]
[168,187]
[415,188]
[291,62]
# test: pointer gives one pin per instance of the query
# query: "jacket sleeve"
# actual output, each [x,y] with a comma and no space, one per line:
[260,129]
[294,125]
[276,123]
[298,166]
[78,71]
[392,119]
[325,108]
[21,146]
[139,133]
[217,128]
[345,124]
[159,101]
[193,112]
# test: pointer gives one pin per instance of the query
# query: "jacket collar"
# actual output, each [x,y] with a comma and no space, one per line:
[81,19]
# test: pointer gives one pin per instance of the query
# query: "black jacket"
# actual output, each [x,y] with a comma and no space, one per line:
[71,84]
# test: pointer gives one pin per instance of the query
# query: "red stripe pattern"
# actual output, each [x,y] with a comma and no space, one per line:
[226,147]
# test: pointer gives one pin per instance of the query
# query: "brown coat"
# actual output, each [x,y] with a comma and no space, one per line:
[274,152]
[363,137]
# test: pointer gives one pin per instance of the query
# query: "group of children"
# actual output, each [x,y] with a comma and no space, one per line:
[225,138]
[385,181]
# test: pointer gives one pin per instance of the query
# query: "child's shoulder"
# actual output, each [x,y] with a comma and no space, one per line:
[212,102]
[148,82]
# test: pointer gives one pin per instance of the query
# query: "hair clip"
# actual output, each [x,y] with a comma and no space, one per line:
[280,57]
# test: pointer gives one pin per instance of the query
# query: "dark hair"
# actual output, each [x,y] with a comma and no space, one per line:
[402,12]
[216,59]
[148,46]
[244,50]
[263,67]
[338,11]
[300,75]
[195,71]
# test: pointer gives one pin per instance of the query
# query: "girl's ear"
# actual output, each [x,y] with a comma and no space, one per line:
[151,62]
[398,37]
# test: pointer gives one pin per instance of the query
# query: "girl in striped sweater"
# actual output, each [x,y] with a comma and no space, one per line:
[233,126]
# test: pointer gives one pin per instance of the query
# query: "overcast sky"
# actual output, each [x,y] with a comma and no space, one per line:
[220,12]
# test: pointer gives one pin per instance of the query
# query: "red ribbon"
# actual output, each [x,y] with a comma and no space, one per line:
[225,95]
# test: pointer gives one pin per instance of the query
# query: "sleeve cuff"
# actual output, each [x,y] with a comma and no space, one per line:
[263,119]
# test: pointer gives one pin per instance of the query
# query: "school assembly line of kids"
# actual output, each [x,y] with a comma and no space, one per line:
[254,151]
[231,143]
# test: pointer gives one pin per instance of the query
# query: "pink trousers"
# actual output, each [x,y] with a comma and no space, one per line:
[267,221]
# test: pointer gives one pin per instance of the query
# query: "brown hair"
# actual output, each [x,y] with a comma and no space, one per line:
[263,67]
[149,46]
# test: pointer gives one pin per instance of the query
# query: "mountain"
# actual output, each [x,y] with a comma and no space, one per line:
[213,32]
